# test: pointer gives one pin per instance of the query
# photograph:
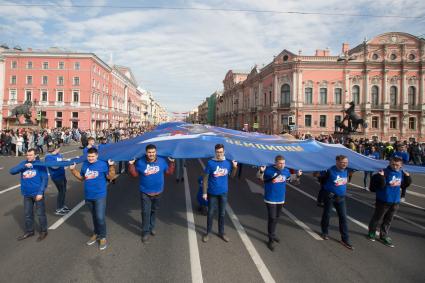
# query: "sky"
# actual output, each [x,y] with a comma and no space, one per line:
[182,55]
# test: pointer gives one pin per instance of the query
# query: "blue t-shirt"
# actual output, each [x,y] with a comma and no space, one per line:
[391,192]
[403,155]
[56,173]
[33,180]
[373,155]
[276,188]
[337,181]
[151,180]
[94,175]
[218,175]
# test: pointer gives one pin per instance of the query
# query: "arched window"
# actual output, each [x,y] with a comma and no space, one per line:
[323,95]
[393,95]
[375,95]
[356,94]
[285,94]
[411,93]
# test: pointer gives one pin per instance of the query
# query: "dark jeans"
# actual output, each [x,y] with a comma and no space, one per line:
[321,195]
[40,209]
[340,206]
[40,149]
[61,186]
[213,201]
[386,210]
[98,207]
[273,211]
[150,205]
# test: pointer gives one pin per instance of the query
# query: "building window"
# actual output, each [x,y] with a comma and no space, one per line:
[76,65]
[28,95]
[29,80]
[29,65]
[375,56]
[411,93]
[12,94]
[375,95]
[14,64]
[356,94]
[393,56]
[75,96]
[44,80]
[58,114]
[322,121]
[393,95]
[285,94]
[60,80]
[59,124]
[412,123]
[44,95]
[393,122]
[75,115]
[61,65]
[338,96]
[76,81]
[375,122]
[59,96]
[323,95]
[412,56]
[45,65]
[13,80]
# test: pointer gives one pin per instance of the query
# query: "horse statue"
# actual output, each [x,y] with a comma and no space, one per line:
[353,121]
[24,109]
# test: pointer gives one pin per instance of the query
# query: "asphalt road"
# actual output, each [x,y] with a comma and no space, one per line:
[177,254]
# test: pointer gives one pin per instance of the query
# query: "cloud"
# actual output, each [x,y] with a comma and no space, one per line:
[183,56]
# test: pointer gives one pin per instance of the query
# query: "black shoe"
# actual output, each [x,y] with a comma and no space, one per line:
[321,204]
[205,238]
[177,180]
[24,236]
[145,239]
[153,232]
[224,238]
[271,245]
[182,179]
[276,239]
[347,245]
[325,236]
[42,236]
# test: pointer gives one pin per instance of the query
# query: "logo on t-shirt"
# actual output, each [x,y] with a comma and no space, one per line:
[151,170]
[220,172]
[91,174]
[29,174]
[395,182]
[279,179]
[339,181]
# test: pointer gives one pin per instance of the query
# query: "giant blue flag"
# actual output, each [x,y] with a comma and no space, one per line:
[182,140]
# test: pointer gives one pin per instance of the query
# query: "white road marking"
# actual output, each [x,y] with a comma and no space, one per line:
[69,151]
[259,263]
[9,189]
[66,216]
[418,186]
[195,262]
[413,205]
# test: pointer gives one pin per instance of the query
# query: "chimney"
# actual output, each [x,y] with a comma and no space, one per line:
[326,52]
[345,47]
[320,52]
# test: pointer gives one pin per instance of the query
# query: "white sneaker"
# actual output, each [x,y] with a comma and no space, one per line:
[402,199]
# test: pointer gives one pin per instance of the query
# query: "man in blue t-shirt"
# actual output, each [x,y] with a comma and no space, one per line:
[335,186]
[150,169]
[371,153]
[95,173]
[57,174]
[387,184]
[34,181]
[215,187]
[274,178]
[404,155]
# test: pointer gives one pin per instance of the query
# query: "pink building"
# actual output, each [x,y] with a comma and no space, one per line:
[76,90]
[383,76]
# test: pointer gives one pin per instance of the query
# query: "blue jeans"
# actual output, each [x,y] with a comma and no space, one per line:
[98,207]
[40,209]
[213,201]
[61,186]
[150,204]
[366,175]
[340,206]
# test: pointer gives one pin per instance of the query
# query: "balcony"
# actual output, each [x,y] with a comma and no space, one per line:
[377,106]
[253,109]
[284,105]
[415,107]
[396,107]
